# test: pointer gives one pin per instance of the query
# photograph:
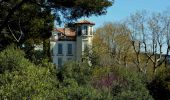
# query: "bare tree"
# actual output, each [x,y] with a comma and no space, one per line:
[166,20]
[136,25]
[156,28]
[149,36]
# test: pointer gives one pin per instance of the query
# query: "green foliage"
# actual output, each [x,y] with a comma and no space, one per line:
[81,73]
[28,20]
[121,83]
[159,86]
[72,90]
[11,60]
[20,79]
[75,82]
[132,86]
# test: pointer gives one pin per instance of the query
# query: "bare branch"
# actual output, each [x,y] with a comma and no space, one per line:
[12,33]
[10,13]
[21,32]
[1,1]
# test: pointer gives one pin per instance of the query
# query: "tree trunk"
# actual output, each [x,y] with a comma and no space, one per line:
[46,49]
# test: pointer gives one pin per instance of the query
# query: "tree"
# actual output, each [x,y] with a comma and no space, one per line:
[136,25]
[114,40]
[100,55]
[130,85]
[20,79]
[120,82]
[27,27]
[149,38]
[69,9]
[29,22]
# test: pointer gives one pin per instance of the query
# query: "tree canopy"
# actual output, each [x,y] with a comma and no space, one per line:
[30,22]
[70,9]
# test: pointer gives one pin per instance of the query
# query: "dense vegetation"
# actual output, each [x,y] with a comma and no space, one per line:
[141,44]
[21,79]
[123,64]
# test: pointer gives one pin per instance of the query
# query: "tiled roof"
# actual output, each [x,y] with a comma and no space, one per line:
[66,31]
[85,22]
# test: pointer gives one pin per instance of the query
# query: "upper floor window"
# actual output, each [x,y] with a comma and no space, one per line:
[85,30]
[91,30]
[54,34]
[69,49]
[59,34]
[60,48]
[79,30]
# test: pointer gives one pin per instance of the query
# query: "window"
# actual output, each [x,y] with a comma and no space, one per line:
[54,34]
[69,59]
[85,30]
[60,61]
[69,49]
[60,48]
[91,30]
[79,30]
[85,46]
[59,34]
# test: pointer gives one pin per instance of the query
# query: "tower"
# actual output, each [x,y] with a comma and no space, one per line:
[84,37]
[70,42]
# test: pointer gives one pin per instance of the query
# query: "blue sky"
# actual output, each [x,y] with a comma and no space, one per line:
[121,9]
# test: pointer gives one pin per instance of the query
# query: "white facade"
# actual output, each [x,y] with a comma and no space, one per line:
[69,43]
[65,54]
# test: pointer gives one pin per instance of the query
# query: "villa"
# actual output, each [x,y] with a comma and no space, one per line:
[69,43]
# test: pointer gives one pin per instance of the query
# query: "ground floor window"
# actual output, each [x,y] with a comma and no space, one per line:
[69,59]
[60,61]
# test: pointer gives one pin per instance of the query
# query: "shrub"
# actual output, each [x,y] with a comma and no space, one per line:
[20,79]
[159,86]
[122,83]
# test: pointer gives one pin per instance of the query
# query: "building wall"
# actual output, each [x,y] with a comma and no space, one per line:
[64,56]
[78,48]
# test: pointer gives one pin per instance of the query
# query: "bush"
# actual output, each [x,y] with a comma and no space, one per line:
[159,86]
[20,79]
[75,83]
[122,83]
[133,86]
[72,70]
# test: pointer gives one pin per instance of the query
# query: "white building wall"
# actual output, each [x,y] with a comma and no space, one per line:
[78,48]
[64,56]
